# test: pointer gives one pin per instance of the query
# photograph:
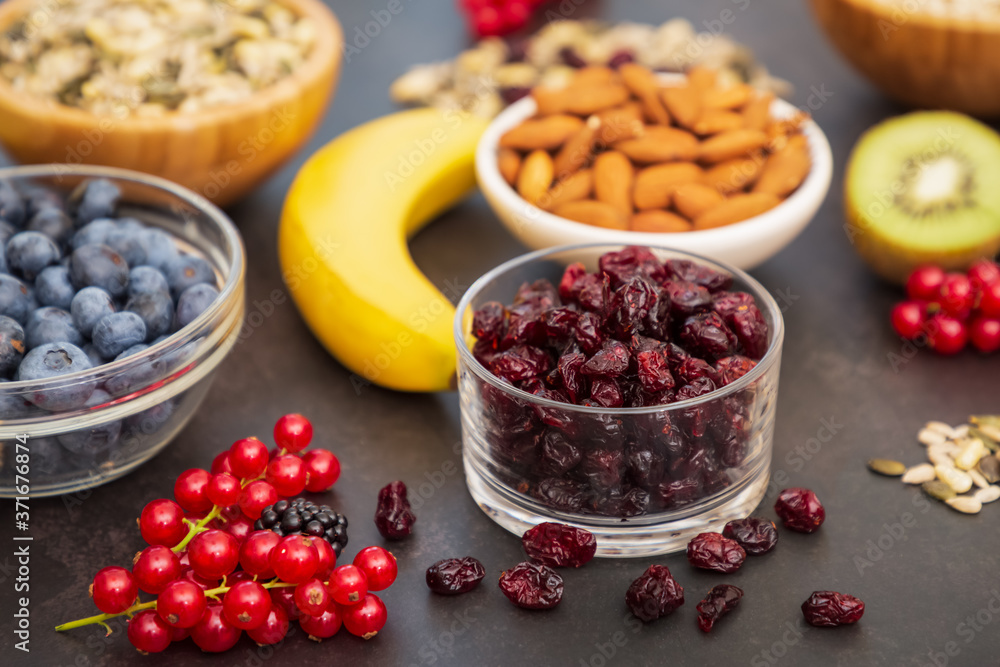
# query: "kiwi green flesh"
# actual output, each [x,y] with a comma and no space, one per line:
[925,183]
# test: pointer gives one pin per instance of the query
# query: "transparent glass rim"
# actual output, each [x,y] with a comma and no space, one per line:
[760,294]
[222,303]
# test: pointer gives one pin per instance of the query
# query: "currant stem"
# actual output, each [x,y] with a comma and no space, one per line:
[197,528]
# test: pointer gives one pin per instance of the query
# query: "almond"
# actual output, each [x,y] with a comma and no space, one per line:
[536,176]
[643,84]
[613,177]
[654,186]
[732,144]
[549,100]
[693,199]
[591,212]
[777,130]
[585,100]
[547,133]
[577,185]
[702,77]
[620,123]
[578,150]
[595,75]
[786,168]
[509,161]
[757,112]
[660,144]
[683,104]
[657,221]
[736,208]
[734,175]
[714,121]
[732,97]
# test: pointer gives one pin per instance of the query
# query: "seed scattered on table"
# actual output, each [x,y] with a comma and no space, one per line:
[919,474]
[965,504]
[987,494]
[887,467]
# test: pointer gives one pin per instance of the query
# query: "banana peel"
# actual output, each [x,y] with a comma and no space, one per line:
[342,244]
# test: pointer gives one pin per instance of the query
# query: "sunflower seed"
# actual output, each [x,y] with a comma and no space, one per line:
[978,479]
[929,437]
[965,504]
[959,481]
[886,467]
[919,474]
[969,455]
[990,467]
[961,431]
[940,427]
[938,455]
[938,490]
[987,494]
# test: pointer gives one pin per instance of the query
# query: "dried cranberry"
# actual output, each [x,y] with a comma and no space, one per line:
[569,285]
[588,333]
[393,516]
[559,545]
[623,503]
[602,468]
[595,293]
[727,303]
[540,294]
[699,274]
[565,495]
[644,466]
[559,455]
[532,586]
[524,329]
[606,393]
[800,510]
[750,328]
[453,576]
[687,298]
[514,93]
[712,551]
[489,322]
[733,368]
[676,494]
[619,58]
[654,594]
[521,362]
[485,353]
[756,536]
[721,600]
[654,371]
[631,262]
[571,374]
[608,362]
[828,609]
[571,57]
[692,369]
[630,307]
[560,324]
[708,336]
[657,322]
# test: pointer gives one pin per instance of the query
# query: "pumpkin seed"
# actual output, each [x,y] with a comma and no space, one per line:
[969,455]
[919,474]
[938,490]
[965,504]
[940,427]
[987,494]
[988,424]
[990,467]
[886,467]
[959,481]
[978,479]
[929,437]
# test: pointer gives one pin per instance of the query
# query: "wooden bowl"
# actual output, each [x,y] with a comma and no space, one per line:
[220,153]
[917,58]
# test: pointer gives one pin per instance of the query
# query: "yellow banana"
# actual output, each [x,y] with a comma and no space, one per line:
[342,244]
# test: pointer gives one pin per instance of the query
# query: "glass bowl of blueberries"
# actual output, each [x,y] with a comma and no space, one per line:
[626,390]
[120,293]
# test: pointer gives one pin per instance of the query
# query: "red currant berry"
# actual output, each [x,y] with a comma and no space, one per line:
[957,297]
[984,332]
[191,490]
[908,318]
[220,463]
[224,489]
[179,634]
[255,554]
[155,567]
[287,474]
[983,272]
[255,497]
[487,22]
[285,598]
[246,604]
[989,300]
[293,433]
[213,633]
[366,618]
[294,559]
[327,557]
[204,583]
[323,469]
[148,633]
[273,629]
[181,604]
[213,553]
[239,528]
[238,576]
[248,458]
[323,626]
[379,567]
[311,597]
[515,15]
[946,335]
[924,284]
[162,522]
[348,585]
[114,589]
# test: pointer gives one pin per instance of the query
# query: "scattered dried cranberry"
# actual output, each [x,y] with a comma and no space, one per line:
[453,576]
[393,516]
[654,594]
[756,536]
[712,551]
[721,600]
[733,368]
[828,609]
[800,510]
[532,586]
[559,545]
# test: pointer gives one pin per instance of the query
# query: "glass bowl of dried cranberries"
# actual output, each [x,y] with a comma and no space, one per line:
[627,390]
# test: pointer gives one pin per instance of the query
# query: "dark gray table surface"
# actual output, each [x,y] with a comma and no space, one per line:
[926,573]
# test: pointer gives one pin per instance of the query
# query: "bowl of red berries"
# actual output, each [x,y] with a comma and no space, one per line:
[120,293]
[629,391]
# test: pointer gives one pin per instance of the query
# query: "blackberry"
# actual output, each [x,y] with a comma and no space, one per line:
[303,517]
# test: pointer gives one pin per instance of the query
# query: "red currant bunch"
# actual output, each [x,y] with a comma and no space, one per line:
[498,17]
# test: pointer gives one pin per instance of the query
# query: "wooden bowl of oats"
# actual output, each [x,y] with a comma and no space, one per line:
[212,94]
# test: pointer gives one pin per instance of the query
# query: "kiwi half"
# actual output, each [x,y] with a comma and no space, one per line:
[924,188]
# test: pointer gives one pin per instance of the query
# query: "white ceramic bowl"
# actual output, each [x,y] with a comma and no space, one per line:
[745,244]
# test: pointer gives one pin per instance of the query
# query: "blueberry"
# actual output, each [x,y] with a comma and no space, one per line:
[51,325]
[50,361]
[46,454]
[15,298]
[126,240]
[54,288]
[95,357]
[90,306]
[15,406]
[156,310]
[146,280]
[135,349]
[137,377]
[92,441]
[95,199]
[94,232]
[11,204]
[37,199]
[7,230]
[188,270]
[117,332]
[99,266]
[159,246]
[193,302]
[11,345]
[53,223]
[150,421]
[30,252]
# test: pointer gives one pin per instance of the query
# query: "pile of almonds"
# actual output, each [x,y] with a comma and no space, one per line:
[963,470]
[617,148]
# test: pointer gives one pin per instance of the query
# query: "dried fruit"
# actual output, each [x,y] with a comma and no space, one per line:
[886,467]
[712,551]
[453,576]
[827,609]
[800,510]
[756,536]
[532,586]
[559,545]
[654,594]
[720,601]
[393,516]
